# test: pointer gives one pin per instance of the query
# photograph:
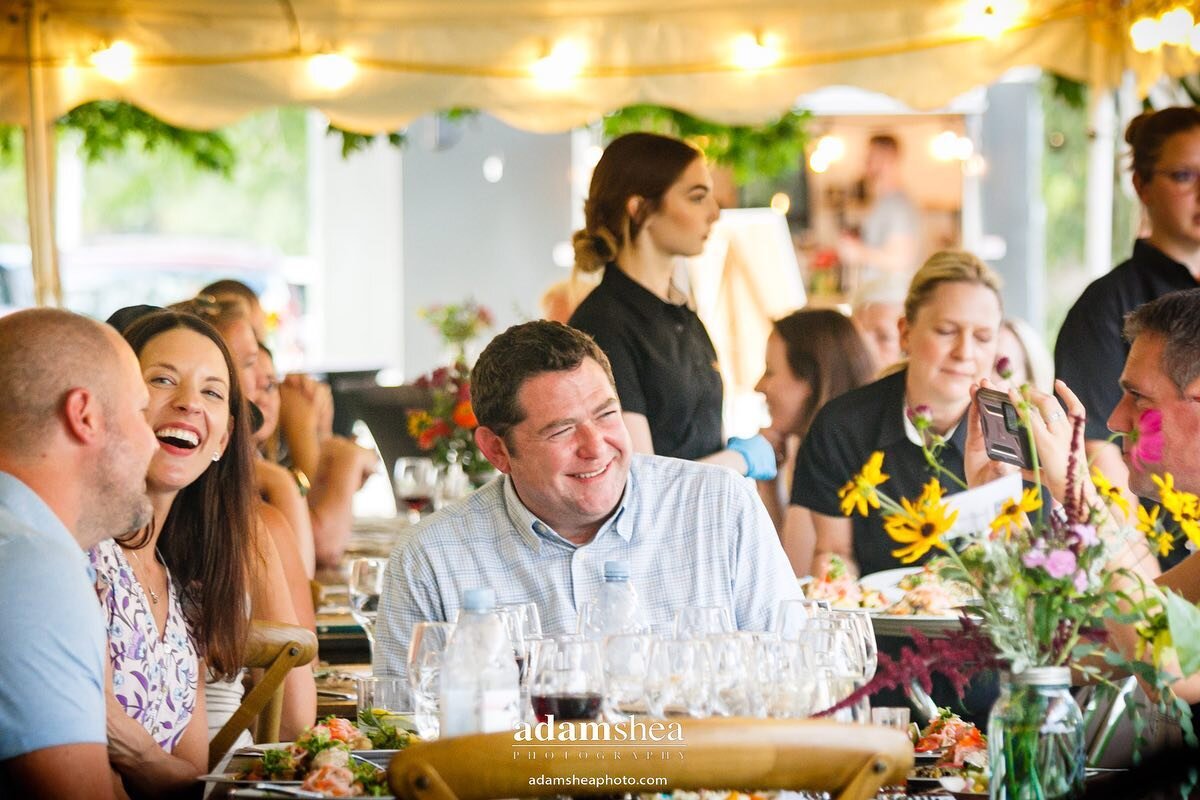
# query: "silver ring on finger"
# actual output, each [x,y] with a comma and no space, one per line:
[1053,417]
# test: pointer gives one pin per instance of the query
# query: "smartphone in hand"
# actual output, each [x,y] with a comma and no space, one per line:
[1004,436]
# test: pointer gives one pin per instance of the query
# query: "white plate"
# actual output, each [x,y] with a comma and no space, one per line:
[231,779]
[887,582]
[898,624]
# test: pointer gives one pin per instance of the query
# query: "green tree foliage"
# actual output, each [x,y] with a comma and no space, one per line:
[765,151]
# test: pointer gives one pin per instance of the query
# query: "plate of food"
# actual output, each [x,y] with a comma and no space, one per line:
[335,758]
[961,767]
[837,586]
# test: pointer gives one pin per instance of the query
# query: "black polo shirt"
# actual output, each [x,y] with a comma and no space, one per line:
[842,437]
[1090,352]
[663,361]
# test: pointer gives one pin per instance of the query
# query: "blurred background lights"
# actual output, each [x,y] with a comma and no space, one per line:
[828,150]
[559,67]
[331,71]
[114,62]
[563,255]
[781,203]
[1145,34]
[493,169]
[949,146]
[755,51]
[991,18]
[1175,26]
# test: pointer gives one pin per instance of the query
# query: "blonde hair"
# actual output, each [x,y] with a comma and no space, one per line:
[948,266]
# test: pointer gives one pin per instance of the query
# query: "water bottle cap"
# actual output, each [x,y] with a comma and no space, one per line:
[616,570]
[477,600]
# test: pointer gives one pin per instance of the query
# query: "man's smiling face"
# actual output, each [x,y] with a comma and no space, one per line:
[569,456]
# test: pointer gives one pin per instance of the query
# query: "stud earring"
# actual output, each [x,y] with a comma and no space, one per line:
[217,456]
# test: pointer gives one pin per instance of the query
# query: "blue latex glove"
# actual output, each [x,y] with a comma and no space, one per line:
[759,455]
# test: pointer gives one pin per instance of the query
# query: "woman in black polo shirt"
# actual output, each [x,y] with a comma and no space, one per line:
[951,318]
[651,200]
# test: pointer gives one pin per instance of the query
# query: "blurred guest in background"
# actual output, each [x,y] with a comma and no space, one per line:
[891,232]
[951,319]
[74,446]
[559,301]
[651,200]
[1023,352]
[1089,353]
[812,356]
[876,309]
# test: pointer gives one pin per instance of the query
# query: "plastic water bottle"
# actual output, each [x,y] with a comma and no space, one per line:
[616,608]
[480,690]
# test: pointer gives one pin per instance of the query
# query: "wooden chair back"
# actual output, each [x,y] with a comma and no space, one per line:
[276,648]
[851,762]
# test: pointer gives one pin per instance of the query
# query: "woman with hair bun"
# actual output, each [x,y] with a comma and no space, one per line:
[1090,351]
[650,201]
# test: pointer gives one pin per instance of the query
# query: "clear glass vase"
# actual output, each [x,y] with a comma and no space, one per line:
[1035,737]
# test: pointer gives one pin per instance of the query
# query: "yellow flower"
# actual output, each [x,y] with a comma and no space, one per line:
[418,421]
[1011,516]
[1148,522]
[1109,492]
[859,492]
[1184,507]
[1166,543]
[921,526]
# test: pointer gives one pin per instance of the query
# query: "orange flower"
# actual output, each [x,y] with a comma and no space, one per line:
[464,415]
[429,437]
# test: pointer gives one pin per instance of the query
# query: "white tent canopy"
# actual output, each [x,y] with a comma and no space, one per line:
[541,65]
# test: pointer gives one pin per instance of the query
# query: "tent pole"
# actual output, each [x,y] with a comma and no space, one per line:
[39,170]
[1098,225]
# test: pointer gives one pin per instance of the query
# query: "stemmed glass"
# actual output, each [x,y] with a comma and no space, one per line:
[416,485]
[678,683]
[699,622]
[365,584]
[568,681]
[523,624]
[425,651]
[626,662]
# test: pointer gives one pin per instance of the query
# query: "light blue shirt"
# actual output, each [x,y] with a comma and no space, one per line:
[52,635]
[693,534]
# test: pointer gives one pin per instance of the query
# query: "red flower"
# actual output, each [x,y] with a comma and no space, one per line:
[430,435]
[464,415]
[464,392]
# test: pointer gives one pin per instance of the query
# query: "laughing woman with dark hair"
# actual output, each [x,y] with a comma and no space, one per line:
[176,599]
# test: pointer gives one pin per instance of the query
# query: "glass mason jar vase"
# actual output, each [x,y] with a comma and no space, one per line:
[1035,737]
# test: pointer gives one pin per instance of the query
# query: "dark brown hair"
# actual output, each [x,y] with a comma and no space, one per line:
[206,538]
[230,287]
[1175,317]
[885,141]
[634,165]
[518,354]
[1148,133]
[825,351]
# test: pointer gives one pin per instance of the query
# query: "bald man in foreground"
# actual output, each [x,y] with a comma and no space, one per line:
[74,448]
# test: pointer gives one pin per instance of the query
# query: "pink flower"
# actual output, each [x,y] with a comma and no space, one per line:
[1086,534]
[1060,563]
[1034,558]
[920,416]
[1081,581]
[1004,367]
[1146,439]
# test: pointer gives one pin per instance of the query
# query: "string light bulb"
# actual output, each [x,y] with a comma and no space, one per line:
[1175,25]
[331,71]
[991,18]
[559,67]
[755,51]
[828,150]
[115,62]
[1145,34]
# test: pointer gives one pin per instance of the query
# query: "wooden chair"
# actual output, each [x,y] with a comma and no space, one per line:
[850,761]
[276,648]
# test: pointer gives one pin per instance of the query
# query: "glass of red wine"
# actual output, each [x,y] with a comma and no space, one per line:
[416,485]
[567,681]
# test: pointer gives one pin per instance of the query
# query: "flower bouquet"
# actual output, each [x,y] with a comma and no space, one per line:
[447,429]
[1049,582]
[458,324]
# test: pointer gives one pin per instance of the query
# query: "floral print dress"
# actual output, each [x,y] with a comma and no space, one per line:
[155,675]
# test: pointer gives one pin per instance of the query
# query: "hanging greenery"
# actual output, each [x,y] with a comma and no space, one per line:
[765,151]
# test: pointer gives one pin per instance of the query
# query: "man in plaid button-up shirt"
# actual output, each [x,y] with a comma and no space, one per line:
[572,496]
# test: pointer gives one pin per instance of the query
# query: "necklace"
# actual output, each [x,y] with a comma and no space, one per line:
[153,594]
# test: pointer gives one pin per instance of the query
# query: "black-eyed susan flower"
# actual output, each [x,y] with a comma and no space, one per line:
[1109,492]
[1012,514]
[859,492]
[921,525]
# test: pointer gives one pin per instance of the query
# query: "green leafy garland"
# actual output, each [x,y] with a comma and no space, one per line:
[765,151]
[110,126]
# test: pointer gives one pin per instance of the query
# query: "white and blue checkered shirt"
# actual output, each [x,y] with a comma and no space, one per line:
[693,534]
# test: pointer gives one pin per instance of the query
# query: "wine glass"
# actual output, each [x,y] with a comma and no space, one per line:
[425,650]
[792,618]
[626,661]
[698,622]
[568,680]
[678,682]
[365,584]
[416,484]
